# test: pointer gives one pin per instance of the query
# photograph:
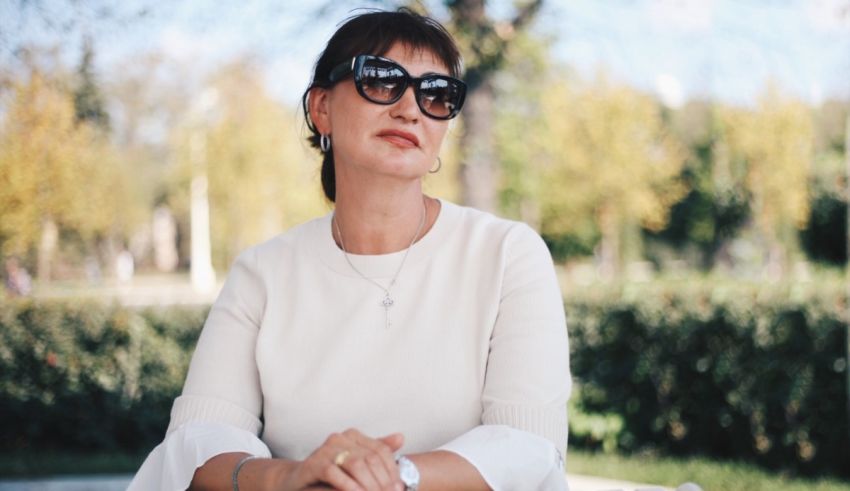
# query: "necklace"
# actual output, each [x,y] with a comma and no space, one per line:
[387,301]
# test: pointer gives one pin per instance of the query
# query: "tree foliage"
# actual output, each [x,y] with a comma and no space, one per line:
[608,157]
[261,177]
[519,88]
[53,169]
[89,103]
[773,145]
[716,206]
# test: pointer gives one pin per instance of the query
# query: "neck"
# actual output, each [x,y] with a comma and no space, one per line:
[381,223]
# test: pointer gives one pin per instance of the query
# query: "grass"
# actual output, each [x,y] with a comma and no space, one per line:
[40,464]
[709,474]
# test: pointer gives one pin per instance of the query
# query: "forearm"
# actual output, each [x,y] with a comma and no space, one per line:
[447,471]
[256,474]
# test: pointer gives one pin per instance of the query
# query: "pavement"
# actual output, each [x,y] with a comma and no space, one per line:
[120,483]
[69,483]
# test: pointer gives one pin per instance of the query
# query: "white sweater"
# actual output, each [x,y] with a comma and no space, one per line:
[296,347]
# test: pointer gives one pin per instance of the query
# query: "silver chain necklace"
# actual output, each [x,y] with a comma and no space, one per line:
[388,301]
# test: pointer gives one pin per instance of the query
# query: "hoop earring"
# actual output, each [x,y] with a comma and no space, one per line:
[439,166]
[324,143]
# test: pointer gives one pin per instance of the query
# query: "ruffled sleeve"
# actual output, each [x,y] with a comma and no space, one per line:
[510,459]
[172,464]
[220,407]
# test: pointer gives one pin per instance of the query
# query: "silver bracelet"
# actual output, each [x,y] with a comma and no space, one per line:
[239,468]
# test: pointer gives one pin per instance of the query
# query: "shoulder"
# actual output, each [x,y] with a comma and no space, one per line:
[256,270]
[510,235]
[282,245]
[260,264]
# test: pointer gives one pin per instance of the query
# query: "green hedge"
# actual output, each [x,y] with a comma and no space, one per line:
[88,376]
[733,371]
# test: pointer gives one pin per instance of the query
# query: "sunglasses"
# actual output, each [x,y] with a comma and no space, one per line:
[383,81]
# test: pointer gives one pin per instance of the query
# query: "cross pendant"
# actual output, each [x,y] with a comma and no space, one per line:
[387,303]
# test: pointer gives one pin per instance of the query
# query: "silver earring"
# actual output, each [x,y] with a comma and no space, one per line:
[324,143]
[439,166]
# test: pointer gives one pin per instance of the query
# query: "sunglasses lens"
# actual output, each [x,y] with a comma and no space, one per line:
[439,96]
[382,81]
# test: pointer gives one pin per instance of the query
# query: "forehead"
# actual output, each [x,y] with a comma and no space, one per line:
[416,60]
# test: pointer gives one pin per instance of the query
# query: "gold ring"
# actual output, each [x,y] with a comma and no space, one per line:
[340,457]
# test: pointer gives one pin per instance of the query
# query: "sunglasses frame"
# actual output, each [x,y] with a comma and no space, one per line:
[355,66]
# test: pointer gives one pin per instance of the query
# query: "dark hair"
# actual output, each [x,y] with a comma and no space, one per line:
[374,33]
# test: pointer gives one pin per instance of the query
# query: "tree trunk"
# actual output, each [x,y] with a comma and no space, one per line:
[609,246]
[201,270]
[479,176]
[46,249]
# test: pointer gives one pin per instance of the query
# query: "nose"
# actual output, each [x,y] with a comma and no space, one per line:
[406,106]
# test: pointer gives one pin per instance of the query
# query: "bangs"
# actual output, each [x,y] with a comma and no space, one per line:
[376,32]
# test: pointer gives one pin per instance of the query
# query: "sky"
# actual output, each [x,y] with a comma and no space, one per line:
[724,49]
[728,50]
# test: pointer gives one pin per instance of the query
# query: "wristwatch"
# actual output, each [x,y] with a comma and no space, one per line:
[409,473]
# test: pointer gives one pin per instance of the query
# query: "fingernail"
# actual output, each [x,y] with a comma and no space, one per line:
[399,487]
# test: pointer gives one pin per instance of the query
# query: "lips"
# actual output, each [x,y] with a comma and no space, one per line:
[400,138]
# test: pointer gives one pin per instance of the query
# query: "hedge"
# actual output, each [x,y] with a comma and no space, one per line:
[87,376]
[734,371]
[747,372]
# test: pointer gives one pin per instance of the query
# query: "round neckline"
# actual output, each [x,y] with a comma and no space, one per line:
[384,265]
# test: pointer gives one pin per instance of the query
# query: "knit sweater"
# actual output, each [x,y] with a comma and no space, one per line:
[299,345]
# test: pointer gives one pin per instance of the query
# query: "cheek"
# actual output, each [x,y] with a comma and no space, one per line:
[346,113]
[348,125]
[436,135]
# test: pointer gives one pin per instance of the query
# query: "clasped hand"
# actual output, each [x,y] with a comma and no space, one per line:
[350,461]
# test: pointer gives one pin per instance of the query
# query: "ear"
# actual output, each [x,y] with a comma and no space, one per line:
[318,103]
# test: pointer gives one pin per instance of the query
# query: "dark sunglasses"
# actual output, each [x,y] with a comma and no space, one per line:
[383,81]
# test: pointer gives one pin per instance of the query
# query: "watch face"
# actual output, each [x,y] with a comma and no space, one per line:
[408,472]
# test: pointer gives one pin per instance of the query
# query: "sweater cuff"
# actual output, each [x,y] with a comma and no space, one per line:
[172,464]
[549,422]
[206,409]
[509,459]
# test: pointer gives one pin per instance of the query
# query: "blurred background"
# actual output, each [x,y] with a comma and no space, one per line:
[686,161]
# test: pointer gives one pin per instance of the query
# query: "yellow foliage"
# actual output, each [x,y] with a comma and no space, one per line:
[262,178]
[52,169]
[605,154]
[775,140]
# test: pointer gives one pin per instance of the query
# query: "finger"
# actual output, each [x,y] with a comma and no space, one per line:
[394,441]
[386,477]
[382,458]
[339,479]
[361,471]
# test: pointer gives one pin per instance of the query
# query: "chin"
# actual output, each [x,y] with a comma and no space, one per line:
[401,167]
[405,173]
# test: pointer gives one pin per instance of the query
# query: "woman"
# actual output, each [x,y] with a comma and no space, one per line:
[401,342]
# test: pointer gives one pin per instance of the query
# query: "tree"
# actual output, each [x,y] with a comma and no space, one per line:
[716,205]
[825,236]
[484,44]
[774,144]
[149,98]
[56,175]
[519,90]
[261,177]
[88,101]
[607,160]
